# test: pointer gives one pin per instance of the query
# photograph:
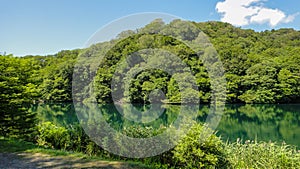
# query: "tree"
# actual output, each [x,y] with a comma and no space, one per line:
[17,89]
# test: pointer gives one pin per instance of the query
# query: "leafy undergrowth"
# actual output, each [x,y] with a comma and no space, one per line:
[189,153]
[14,145]
[254,154]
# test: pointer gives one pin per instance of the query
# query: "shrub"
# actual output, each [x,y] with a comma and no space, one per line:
[52,136]
[79,140]
[71,138]
[137,131]
[200,148]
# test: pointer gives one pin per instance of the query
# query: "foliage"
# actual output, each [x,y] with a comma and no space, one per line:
[17,90]
[15,145]
[70,138]
[141,132]
[200,148]
[52,136]
[253,154]
[261,67]
[57,76]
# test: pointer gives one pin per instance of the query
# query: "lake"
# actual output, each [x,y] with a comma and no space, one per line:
[266,122]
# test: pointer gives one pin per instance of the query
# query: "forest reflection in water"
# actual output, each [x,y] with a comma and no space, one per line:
[265,122]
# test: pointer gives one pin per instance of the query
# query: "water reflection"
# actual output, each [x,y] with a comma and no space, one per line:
[262,122]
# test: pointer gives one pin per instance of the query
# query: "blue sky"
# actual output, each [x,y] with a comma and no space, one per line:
[46,27]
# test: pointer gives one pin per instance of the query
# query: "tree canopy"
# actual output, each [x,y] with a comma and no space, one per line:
[260,67]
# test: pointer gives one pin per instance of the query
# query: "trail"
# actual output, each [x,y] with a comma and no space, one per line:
[38,161]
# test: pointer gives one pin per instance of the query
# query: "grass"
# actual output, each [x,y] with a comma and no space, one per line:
[14,145]
[8,145]
[253,154]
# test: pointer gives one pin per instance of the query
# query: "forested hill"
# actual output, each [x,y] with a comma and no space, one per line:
[261,67]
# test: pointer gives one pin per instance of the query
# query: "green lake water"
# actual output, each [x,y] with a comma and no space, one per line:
[266,122]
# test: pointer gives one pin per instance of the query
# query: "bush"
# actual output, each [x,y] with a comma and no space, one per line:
[52,136]
[71,138]
[252,154]
[200,148]
[142,132]
[79,140]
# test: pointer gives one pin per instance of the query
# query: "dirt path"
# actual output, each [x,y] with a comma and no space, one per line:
[38,160]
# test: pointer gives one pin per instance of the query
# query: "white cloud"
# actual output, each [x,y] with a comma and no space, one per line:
[291,18]
[245,12]
[272,16]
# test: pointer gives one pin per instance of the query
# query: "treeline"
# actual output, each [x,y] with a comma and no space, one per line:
[260,67]
[31,79]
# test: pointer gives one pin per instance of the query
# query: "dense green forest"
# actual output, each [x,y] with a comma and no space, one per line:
[260,67]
